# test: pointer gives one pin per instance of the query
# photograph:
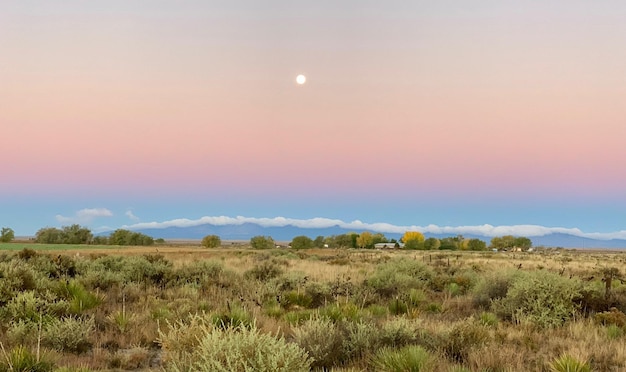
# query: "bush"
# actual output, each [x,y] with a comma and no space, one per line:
[540,297]
[612,317]
[136,358]
[64,266]
[398,332]
[262,242]
[361,339]
[69,334]
[211,241]
[26,254]
[22,332]
[146,269]
[16,277]
[182,337]
[492,287]
[25,306]
[408,359]
[201,273]
[264,271]
[462,338]
[397,276]
[302,242]
[322,340]
[237,349]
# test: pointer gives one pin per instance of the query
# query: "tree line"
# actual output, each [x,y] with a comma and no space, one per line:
[76,234]
[412,240]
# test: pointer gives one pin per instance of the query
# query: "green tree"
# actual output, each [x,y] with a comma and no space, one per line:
[262,242]
[49,235]
[211,241]
[76,234]
[120,237]
[449,243]
[126,237]
[341,241]
[413,244]
[379,238]
[353,238]
[476,245]
[302,242]
[432,244]
[522,242]
[100,240]
[73,234]
[6,235]
[510,241]
[318,242]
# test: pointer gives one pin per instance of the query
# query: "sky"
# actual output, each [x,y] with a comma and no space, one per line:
[415,113]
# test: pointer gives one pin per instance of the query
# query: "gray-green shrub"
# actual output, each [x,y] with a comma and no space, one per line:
[264,270]
[322,340]
[202,273]
[360,340]
[69,334]
[398,331]
[493,286]
[540,297]
[463,337]
[398,276]
[236,350]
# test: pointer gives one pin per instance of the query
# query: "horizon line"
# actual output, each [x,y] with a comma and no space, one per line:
[485,230]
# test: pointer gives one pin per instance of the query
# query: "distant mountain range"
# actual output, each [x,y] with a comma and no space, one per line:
[285,233]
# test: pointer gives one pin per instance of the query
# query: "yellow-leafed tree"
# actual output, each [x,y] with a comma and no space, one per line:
[413,240]
[365,240]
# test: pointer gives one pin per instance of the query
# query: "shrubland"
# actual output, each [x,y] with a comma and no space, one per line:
[270,309]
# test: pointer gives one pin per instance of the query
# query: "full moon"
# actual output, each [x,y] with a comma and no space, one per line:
[300,79]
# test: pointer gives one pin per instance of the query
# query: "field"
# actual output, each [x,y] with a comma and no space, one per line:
[186,308]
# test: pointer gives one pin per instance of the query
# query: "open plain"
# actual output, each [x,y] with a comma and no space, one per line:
[185,308]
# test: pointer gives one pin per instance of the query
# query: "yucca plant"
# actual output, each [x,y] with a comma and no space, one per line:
[408,359]
[20,359]
[488,319]
[79,297]
[567,363]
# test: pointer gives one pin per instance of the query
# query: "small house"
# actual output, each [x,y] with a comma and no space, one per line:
[388,245]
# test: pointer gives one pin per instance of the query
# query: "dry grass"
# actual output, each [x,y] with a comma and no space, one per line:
[444,307]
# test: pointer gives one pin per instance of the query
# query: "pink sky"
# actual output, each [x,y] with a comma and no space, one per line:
[444,98]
